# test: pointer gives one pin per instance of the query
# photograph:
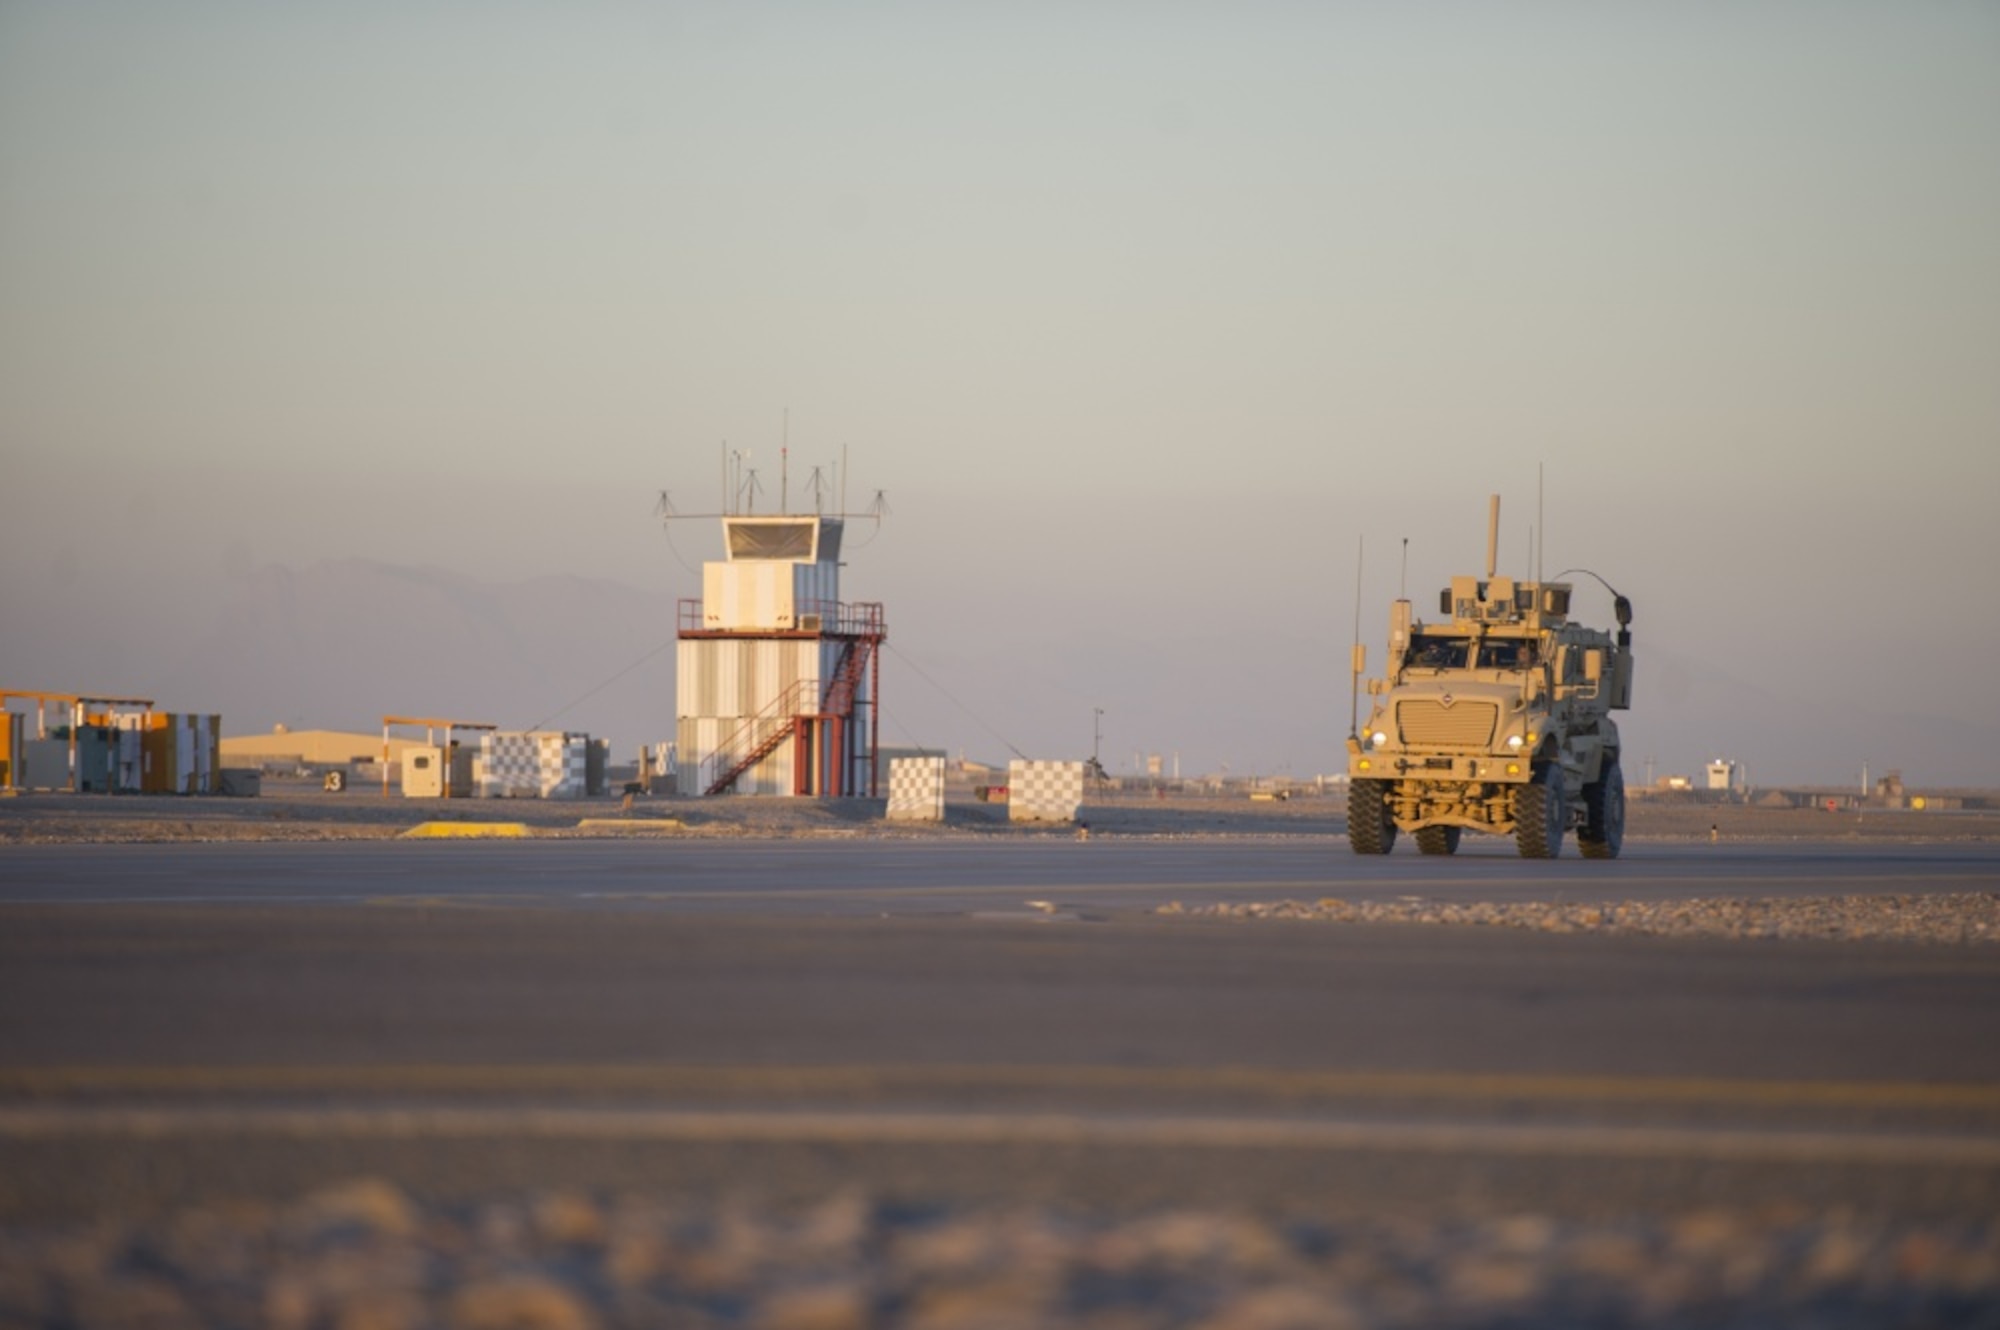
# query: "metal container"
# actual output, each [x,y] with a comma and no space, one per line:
[10,749]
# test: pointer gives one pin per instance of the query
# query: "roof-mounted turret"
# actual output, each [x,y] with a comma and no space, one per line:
[1494,600]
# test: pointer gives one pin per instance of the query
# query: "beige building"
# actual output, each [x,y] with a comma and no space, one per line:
[326,748]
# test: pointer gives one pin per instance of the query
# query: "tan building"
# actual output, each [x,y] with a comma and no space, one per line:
[325,748]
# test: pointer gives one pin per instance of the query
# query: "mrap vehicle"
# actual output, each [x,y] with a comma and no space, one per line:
[1495,719]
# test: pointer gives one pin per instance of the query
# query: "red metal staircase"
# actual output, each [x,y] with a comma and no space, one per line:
[781,716]
[822,726]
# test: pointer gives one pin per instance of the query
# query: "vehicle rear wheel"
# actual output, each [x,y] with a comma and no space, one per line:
[1603,833]
[1539,811]
[1370,829]
[1438,840]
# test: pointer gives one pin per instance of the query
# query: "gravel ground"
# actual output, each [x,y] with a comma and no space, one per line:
[1963,917]
[367,1256]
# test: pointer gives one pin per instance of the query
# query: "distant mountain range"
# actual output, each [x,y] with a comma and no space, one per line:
[338,645]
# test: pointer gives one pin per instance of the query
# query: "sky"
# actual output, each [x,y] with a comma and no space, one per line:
[1147,319]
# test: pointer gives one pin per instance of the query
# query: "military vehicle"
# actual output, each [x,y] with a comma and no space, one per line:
[1496,719]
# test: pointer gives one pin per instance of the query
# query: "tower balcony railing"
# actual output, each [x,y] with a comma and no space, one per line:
[862,618]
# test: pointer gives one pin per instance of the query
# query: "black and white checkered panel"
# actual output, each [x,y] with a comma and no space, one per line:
[531,765]
[507,766]
[1044,791]
[916,789]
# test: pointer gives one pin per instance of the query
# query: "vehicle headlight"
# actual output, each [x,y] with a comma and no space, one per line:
[1378,738]
[1514,741]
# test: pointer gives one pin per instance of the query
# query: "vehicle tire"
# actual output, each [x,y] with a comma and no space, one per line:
[1438,840]
[1539,811]
[1603,833]
[1370,829]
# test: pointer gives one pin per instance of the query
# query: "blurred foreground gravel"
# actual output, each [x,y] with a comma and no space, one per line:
[1963,917]
[367,1256]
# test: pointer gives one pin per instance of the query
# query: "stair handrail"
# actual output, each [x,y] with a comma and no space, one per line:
[782,708]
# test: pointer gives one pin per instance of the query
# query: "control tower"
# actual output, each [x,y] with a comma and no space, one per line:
[778,687]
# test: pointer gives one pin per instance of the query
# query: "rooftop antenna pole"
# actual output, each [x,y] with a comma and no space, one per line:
[1402,588]
[785,463]
[1360,660]
[725,475]
[1541,522]
[843,480]
[1492,534]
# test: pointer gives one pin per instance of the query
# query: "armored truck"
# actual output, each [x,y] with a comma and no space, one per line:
[1497,719]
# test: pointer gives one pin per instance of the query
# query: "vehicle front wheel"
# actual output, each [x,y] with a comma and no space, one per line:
[1539,811]
[1370,828]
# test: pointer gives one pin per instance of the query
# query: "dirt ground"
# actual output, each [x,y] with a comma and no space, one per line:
[297,810]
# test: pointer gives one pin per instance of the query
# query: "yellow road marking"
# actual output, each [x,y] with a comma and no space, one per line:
[466,831]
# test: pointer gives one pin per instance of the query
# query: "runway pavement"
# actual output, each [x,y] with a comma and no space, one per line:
[862,876]
[976,1020]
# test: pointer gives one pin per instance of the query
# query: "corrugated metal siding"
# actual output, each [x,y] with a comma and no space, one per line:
[698,738]
[764,594]
[817,587]
[727,677]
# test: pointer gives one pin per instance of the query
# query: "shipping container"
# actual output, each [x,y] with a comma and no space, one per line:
[45,764]
[95,749]
[11,730]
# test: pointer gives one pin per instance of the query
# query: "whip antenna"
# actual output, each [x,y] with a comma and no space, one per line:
[1360,655]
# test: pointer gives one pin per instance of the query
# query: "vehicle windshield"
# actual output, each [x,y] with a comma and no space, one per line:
[1507,653]
[1430,652]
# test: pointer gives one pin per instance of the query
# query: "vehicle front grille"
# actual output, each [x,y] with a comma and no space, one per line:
[1427,723]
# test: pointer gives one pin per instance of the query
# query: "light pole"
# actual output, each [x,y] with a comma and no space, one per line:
[1096,740]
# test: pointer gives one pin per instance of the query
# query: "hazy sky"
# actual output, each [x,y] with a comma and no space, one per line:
[1141,314]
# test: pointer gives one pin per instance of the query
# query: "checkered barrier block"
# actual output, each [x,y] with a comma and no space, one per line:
[565,766]
[916,789]
[506,767]
[1044,791]
[532,765]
